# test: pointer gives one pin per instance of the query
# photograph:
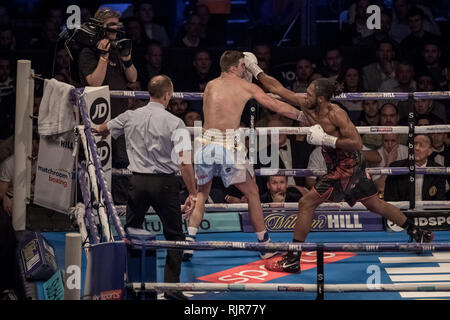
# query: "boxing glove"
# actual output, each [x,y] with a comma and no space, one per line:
[251,63]
[318,137]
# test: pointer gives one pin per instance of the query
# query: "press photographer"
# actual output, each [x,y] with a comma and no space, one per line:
[106,60]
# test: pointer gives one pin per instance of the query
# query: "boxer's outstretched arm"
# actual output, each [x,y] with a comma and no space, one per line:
[349,136]
[277,106]
[274,86]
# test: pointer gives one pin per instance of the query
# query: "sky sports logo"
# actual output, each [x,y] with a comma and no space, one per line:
[381,129]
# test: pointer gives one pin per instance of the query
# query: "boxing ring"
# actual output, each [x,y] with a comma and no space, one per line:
[101,211]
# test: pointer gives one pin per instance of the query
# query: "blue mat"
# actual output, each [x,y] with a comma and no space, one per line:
[358,268]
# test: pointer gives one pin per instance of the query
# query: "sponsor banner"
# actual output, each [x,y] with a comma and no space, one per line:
[428,220]
[322,221]
[105,271]
[99,111]
[55,173]
[255,272]
[212,222]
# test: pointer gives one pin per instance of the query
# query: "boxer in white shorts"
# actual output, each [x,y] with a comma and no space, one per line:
[224,100]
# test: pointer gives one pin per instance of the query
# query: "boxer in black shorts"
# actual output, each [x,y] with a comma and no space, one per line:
[347,179]
[331,128]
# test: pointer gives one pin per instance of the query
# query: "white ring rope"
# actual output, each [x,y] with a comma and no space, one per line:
[293,206]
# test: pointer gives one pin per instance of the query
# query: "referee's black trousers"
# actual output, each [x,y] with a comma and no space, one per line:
[163,194]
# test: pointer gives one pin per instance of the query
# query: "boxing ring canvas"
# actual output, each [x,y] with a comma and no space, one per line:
[361,268]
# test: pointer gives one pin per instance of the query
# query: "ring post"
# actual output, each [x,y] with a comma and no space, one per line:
[72,264]
[320,273]
[23,127]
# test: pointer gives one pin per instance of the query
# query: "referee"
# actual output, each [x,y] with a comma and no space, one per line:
[153,156]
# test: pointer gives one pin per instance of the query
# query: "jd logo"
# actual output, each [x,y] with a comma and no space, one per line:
[103,151]
[99,110]
[374,20]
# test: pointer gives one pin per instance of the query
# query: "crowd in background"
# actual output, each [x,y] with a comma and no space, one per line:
[409,53]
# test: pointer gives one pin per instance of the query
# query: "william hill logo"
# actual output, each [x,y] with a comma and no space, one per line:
[286,222]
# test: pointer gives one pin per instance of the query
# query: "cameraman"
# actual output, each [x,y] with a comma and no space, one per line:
[109,65]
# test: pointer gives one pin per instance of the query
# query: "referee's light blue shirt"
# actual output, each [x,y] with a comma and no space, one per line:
[150,132]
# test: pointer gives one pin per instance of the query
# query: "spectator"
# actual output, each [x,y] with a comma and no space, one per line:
[48,38]
[154,63]
[136,32]
[441,151]
[190,38]
[403,81]
[4,16]
[263,52]
[415,41]
[351,81]
[153,30]
[291,153]
[390,151]
[177,107]
[63,68]
[56,15]
[380,35]
[332,63]
[134,103]
[425,83]
[383,69]
[7,99]
[209,34]
[7,38]
[7,176]
[219,12]
[427,107]
[427,187]
[107,66]
[400,25]
[200,74]
[356,29]
[389,116]
[278,191]
[370,115]
[303,71]
[190,117]
[430,63]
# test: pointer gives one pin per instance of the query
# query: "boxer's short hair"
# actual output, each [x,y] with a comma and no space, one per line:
[324,87]
[230,58]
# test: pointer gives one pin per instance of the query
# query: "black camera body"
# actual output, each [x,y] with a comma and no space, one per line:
[92,32]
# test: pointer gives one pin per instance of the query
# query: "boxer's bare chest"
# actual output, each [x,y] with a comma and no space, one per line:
[323,119]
